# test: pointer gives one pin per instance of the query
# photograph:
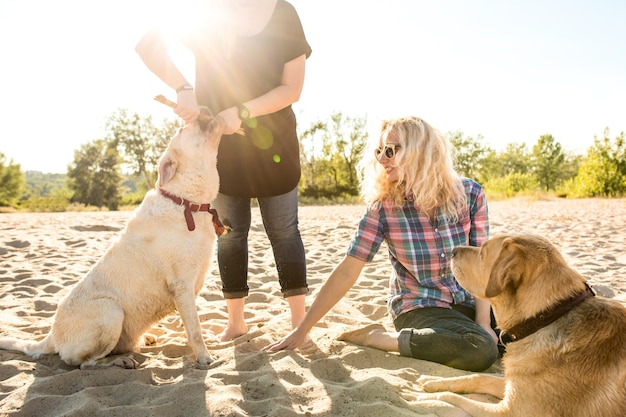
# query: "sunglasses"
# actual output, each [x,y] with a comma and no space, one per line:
[388,150]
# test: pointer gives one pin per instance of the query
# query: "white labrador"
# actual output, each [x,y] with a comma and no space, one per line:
[158,264]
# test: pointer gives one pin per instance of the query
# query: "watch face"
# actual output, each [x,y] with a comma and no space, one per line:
[244,113]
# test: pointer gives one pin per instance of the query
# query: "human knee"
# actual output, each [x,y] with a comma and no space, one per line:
[283,232]
[282,226]
[235,234]
[482,355]
[472,352]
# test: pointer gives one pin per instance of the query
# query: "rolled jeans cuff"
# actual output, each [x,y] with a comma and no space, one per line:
[295,291]
[235,294]
[404,342]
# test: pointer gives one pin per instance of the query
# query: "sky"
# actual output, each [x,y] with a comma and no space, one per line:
[509,71]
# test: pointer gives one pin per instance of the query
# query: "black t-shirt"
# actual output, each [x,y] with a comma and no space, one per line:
[266,161]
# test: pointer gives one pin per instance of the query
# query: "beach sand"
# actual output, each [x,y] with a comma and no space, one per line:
[43,254]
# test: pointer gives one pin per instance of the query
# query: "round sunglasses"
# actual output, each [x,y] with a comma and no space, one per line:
[388,150]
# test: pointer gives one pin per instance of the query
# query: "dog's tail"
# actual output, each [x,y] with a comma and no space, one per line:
[30,347]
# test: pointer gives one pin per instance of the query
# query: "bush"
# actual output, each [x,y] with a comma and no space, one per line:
[603,170]
[329,193]
[510,185]
[11,182]
[133,198]
[46,204]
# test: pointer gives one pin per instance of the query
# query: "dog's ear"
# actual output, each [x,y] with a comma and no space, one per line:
[208,123]
[214,128]
[167,168]
[204,118]
[507,270]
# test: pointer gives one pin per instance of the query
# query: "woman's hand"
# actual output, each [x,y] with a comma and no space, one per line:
[336,286]
[293,340]
[233,122]
[187,106]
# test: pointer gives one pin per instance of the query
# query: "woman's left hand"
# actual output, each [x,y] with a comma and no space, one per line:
[233,122]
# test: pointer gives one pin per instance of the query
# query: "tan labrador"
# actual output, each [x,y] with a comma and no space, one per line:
[158,264]
[567,357]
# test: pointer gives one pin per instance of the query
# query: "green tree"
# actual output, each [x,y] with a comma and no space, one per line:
[309,153]
[514,159]
[11,182]
[470,155]
[94,175]
[603,169]
[39,184]
[508,173]
[548,161]
[45,192]
[350,138]
[329,152]
[140,142]
[571,166]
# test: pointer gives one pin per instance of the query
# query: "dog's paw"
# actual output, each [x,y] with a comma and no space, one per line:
[205,359]
[216,362]
[430,383]
[126,362]
[149,339]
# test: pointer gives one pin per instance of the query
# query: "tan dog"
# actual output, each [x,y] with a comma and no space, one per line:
[158,264]
[567,357]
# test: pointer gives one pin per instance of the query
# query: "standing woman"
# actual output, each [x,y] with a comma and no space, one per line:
[249,60]
[422,209]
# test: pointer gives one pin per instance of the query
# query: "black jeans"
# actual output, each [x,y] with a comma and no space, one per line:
[447,336]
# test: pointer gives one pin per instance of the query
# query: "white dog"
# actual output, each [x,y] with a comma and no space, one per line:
[158,264]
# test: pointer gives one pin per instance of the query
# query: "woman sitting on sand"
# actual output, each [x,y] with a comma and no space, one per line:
[422,209]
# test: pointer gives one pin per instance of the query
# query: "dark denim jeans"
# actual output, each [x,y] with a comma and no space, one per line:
[447,336]
[280,219]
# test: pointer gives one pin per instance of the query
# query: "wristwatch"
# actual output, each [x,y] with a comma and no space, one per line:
[244,113]
[184,87]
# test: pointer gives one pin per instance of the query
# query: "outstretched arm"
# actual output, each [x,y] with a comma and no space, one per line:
[153,51]
[339,282]
[483,316]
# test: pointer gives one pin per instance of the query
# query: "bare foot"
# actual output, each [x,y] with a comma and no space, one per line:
[231,333]
[361,336]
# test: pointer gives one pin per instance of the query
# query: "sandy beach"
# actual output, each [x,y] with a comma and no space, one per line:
[43,254]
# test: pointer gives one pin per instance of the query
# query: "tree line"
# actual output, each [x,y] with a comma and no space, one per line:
[119,168]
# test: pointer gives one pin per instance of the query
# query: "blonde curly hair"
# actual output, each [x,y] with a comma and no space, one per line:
[425,160]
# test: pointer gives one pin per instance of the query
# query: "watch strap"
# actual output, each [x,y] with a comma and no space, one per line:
[243,112]
[184,87]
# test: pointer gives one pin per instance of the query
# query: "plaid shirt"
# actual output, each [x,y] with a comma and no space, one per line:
[420,251]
